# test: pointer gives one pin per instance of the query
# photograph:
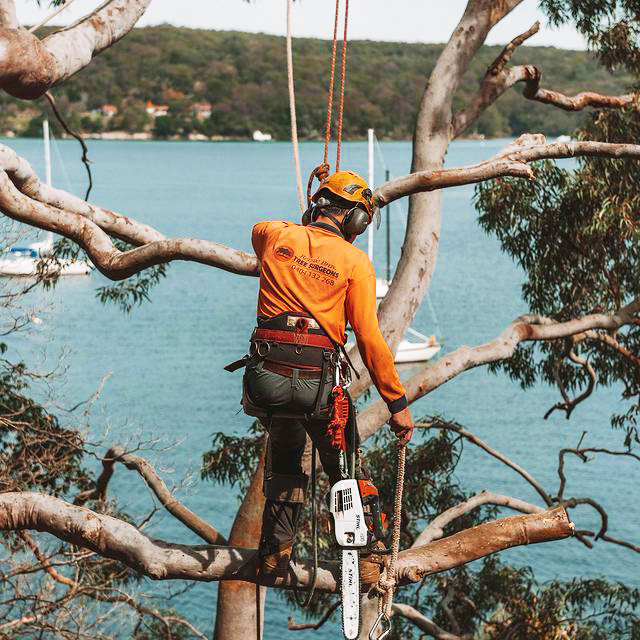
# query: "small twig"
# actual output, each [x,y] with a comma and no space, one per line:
[440,424]
[314,626]
[570,404]
[85,150]
[52,15]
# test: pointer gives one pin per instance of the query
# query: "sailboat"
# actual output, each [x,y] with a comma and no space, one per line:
[24,261]
[422,348]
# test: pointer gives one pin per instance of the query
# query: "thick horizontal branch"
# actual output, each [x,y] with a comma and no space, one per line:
[156,484]
[525,328]
[118,540]
[29,67]
[483,540]
[512,161]
[435,529]
[111,262]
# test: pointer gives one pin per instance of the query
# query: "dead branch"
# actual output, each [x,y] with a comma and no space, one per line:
[582,454]
[523,329]
[499,78]
[29,67]
[495,82]
[471,437]
[422,622]
[83,145]
[159,488]
[512,161]
[435,529]
[570,404]
[159,560]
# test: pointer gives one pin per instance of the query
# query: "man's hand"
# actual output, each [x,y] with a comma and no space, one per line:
[401,424]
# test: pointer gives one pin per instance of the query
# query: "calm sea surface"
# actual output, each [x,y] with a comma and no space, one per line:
[166,358]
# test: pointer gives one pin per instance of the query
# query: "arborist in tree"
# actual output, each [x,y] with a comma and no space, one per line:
[312,281]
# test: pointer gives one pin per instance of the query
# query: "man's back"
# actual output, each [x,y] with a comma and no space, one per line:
[308,269]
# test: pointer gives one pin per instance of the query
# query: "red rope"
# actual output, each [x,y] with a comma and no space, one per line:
[327,131]
[343,75]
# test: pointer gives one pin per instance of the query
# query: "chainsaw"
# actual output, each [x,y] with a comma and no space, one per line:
[350,500]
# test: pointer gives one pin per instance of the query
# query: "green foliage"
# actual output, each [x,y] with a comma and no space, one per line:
[133,291]
[232,459]
[243,76]
[576,236]
[611,27]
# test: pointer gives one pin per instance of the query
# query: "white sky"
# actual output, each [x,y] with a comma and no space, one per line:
[393,20]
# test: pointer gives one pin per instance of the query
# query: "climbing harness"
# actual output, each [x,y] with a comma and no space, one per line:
[387,582]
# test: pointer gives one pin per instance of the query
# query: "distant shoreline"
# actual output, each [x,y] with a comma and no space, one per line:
[144,136]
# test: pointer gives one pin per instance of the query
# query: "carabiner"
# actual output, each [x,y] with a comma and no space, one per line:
[386,632]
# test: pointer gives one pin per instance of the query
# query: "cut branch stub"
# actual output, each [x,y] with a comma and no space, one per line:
[483,540]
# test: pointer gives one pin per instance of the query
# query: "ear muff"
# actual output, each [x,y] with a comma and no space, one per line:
[355,222]
[311,214]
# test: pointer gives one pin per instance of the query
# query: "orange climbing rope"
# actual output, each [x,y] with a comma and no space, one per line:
[343,75]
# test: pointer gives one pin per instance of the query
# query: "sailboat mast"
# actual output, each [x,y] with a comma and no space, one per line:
[370,183]
[47,152]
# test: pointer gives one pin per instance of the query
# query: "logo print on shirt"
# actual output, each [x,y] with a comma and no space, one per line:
[283,253]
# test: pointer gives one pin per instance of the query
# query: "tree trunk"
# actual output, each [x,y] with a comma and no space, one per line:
[240,608]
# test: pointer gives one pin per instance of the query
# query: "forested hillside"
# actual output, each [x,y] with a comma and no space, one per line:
[230,84]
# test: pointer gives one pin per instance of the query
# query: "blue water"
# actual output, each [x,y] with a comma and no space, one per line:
[167,386]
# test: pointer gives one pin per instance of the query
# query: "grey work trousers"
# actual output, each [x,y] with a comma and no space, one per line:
[287,439]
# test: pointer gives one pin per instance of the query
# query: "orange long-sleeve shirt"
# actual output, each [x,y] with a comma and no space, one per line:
[312,269]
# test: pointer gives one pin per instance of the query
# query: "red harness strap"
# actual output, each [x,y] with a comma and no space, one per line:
[336,428]
[290,337]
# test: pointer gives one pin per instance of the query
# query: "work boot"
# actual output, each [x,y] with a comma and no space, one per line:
[371,565]
[369,571]
[276,565]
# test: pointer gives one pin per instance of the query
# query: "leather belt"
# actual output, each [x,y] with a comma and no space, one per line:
[284,370]
[292,337]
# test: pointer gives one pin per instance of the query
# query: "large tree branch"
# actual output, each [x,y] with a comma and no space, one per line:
[118,540]
[111,262]
[511,161]
[156,484]
[524,329]
[499,78]
[23,197]
[435,529]
[29,67]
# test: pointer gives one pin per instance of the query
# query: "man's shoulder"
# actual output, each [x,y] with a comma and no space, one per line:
[270,225]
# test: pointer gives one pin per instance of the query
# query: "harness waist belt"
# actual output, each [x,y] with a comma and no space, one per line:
[291,337]
[285,370]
